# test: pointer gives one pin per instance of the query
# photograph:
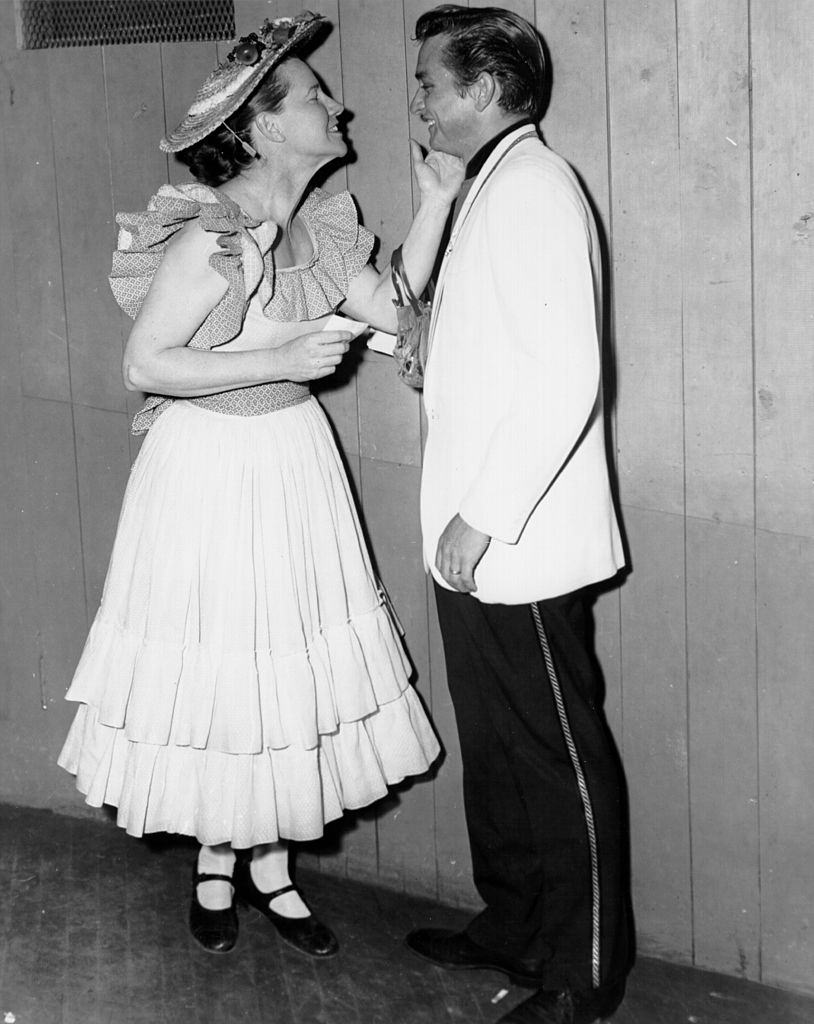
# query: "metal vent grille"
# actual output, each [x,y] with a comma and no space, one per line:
[47,23]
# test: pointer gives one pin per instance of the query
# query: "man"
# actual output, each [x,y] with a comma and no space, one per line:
[518,519]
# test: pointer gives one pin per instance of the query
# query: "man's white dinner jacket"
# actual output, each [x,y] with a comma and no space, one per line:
[512,389]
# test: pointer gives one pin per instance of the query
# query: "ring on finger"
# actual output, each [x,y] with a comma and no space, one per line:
[455,572]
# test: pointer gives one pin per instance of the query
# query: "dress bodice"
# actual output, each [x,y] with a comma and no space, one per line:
[257,292]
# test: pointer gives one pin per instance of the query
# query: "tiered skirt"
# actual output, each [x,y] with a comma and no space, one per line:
[244,679]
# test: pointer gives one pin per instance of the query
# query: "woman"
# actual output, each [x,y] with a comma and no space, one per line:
[243,681]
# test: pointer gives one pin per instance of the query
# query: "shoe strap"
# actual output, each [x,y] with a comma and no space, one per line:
[279,892]
[212,878]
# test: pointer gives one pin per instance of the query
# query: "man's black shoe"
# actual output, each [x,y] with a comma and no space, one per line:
[457,952]
[566,1007]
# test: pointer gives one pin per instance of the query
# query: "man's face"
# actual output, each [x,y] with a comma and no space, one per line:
[450,117]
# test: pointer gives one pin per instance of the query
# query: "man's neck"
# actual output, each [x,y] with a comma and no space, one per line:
[499,130]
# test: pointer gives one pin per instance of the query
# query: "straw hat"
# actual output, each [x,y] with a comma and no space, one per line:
[232,82]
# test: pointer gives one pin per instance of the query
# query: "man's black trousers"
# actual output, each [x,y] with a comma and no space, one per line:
[543,789]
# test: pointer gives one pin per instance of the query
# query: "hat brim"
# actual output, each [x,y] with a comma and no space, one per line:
[196,126]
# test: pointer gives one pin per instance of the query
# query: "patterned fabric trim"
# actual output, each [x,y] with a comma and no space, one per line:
[342,248]
[143,239]
[257,400]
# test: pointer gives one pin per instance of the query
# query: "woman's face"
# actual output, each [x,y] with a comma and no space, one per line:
[308,116]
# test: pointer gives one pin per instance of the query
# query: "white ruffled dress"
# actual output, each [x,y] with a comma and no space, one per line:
[244,679]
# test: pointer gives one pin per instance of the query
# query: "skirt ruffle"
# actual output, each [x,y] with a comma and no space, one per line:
[244,679]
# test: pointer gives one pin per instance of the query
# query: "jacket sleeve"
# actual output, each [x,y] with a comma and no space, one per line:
[539,247]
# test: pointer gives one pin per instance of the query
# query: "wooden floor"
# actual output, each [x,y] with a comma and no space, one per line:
[93,931]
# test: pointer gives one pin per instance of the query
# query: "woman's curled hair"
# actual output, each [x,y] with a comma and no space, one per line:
[221,155]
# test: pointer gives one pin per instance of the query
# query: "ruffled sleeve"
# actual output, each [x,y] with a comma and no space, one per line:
[342,248]
[143,239]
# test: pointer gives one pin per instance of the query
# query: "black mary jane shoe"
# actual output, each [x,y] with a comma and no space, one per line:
[215,930]
[306,934]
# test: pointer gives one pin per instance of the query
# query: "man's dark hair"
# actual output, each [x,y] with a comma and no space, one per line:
[494,40]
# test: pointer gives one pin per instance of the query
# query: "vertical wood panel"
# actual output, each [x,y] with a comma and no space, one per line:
[390,495]
[135,116]
[375,92]
[42,717]
[646,251]
[723,746]
[359,845]
[18,607]
[714,119]
[783,154]
[54,517]
[79,124]
[654,674]
[713,59]
[575,124]
[35,275]
[786,654]
[646,274]
[389,420]
[784,264]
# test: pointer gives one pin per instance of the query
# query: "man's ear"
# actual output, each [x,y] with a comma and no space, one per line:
[484,91]
[269,128]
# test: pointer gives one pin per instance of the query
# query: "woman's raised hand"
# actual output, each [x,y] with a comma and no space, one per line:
[311,356]
[439,175]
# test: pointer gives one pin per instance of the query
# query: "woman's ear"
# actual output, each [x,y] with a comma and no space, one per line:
[269,128]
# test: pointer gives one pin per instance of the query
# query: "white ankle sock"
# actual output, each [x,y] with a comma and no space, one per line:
[269,870]
[215,860]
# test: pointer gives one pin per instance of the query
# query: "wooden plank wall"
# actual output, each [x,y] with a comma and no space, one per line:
[691,126]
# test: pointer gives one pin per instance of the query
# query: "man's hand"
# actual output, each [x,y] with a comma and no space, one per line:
[460,548]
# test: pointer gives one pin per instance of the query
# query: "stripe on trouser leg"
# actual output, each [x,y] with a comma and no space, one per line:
[583,791]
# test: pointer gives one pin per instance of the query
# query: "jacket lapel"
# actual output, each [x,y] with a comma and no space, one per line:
[494,158]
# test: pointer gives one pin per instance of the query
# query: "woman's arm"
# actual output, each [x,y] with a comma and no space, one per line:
[183,292]
[370,294]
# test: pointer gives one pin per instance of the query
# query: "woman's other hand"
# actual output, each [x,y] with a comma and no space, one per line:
[439,175]
[311,356]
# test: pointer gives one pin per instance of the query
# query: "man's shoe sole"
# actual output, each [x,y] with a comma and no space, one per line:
[521,980]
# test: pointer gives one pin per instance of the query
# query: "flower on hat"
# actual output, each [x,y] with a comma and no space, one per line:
[248,51]
[281,34]
[282,29]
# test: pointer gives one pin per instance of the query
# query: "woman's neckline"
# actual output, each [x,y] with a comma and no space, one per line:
[254,223]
